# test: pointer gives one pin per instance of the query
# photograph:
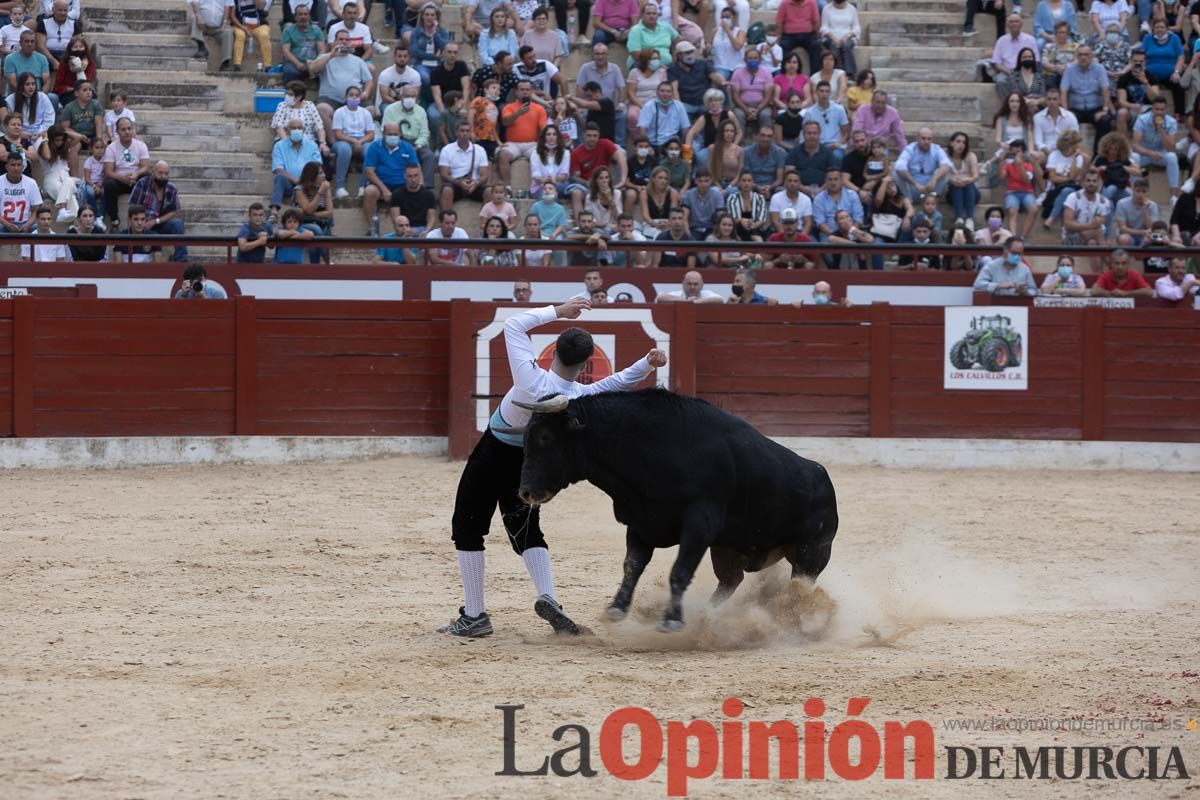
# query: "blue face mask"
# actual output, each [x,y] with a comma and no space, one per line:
[1112,38]
[296,134]
[821,299]
[1065,272]
[655,64]
[1012,259]
[392,140]
[752,63]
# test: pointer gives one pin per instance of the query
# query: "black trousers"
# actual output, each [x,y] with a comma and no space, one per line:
[490,478]
[811,43]
[112,190]
[985,7]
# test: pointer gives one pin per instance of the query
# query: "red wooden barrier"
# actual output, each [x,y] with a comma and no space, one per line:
[73,367]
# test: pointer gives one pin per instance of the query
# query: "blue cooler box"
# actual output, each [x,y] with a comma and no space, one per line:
[267,100]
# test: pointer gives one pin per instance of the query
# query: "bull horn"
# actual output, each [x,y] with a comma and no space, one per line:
[508,431]
[553,405]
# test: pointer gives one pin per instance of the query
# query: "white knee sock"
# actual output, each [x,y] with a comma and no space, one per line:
[537,561]
[470,568]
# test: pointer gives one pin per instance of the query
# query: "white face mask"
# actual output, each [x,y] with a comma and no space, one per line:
[644,152]
[772,39]
[408,103]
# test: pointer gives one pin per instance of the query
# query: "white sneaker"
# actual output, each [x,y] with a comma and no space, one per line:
[341,194]
[1041,198]
[1174,200]
[360,191]
[1145,27]
[1187,187]
[65,216]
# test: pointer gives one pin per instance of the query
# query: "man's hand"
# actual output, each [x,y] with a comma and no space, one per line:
[573,308]
[657,358]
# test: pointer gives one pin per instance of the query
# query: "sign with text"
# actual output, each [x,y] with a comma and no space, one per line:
[985,348]
[1056,301]
[12,291]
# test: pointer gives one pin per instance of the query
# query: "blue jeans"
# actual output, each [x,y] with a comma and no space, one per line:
[315,254]
[89,196]
[291,73]
[876,259]
[344,152]
[173,227]
[283,189]
[1060,201]
[602,37]
[435,123]
[964,199]
[844,55]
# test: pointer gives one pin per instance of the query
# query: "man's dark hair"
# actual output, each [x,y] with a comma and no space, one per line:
[592,126]
[574,346]
[524,50]
[592,86]
[194,271]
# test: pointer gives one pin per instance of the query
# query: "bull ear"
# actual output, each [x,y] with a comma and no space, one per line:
[552,405]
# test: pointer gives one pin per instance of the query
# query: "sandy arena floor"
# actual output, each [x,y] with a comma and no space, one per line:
[252,632]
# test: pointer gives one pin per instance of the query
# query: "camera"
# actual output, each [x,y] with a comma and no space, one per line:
[198,286]
[1157,238]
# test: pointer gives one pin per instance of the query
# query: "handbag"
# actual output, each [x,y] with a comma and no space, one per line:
[885,225]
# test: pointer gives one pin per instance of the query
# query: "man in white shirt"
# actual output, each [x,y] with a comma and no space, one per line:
[393,79]
[464,168]
[693,291]
[1051,122]
[448,256]
[360,35]
[44,253]
[20,196]
[493,471]
[791,197]
[1177,284]
[1086,213]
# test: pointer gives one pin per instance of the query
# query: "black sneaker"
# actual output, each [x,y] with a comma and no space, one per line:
[201,53]
[969,30]
[551,611]
[468,627]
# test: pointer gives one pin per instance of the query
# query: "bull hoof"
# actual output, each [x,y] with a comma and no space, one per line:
[614,613]
[669,626]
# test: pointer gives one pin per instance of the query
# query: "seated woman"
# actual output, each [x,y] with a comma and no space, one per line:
[551,164]
[313,197]
[707,127]
[656,202]
[891,217]
[603,200]
[34,107]
[726,156]
[75,66]
[495,228]
[846,232]
[749,210]
[724,233]
[57,182]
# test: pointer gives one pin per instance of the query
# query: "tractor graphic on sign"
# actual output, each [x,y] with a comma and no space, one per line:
[991,342]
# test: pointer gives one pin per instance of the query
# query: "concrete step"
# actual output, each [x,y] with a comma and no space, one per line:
[154,62]
[948,8]
[210,144]
[138,20]
[935,59]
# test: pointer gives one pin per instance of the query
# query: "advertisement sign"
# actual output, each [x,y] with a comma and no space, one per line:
[986,347]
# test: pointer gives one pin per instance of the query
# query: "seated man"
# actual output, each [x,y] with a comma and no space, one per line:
[790,198]
[464,167]
[810,160]
[1009,275]
[211,18]
[415,202]
[702,202]
[338,70]
[413,124]
[1154,136]
[1177,284]
[745,290]
[677,231]
[288,158]
[923,167]
[1121,281]
[160,198]
[1086,213]
[302,42]
[692,291]
[384,168]
[790,234]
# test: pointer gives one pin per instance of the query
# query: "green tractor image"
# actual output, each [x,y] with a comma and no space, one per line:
[991,342]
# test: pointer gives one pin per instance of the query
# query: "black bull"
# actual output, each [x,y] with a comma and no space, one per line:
[682,472]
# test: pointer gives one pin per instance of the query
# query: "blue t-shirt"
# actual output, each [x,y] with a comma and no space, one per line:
[289,255]
[1151,140]
[550,215]
[390,165]
[259,254]
[394,255]
[1161,58]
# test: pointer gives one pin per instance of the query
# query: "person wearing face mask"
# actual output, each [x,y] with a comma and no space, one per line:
[1165,61]
[727,44]
[744,291]
[160,198]
[822,295]
[665,118]
[692,76]
[414,128]
[353,130]
[75,67]
[295,105]
[840,32]
[1064,281]
[1113,51]
[1009,274]
[679,172]
[993,231]
[752,90]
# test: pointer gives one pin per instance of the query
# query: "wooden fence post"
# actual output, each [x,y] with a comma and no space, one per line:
[880,391]
[1092,342]
[462,380]
[684,345]
[245,361]
[22,372]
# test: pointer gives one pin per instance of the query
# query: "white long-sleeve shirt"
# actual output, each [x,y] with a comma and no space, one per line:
[1168,289]
[531,382]
[840,22]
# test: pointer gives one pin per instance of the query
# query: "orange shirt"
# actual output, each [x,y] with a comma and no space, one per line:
[486,117]
[528,125]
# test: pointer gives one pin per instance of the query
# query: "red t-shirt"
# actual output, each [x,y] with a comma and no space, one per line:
[782,237]
[584,161]
[1133,280]
[1018,177]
